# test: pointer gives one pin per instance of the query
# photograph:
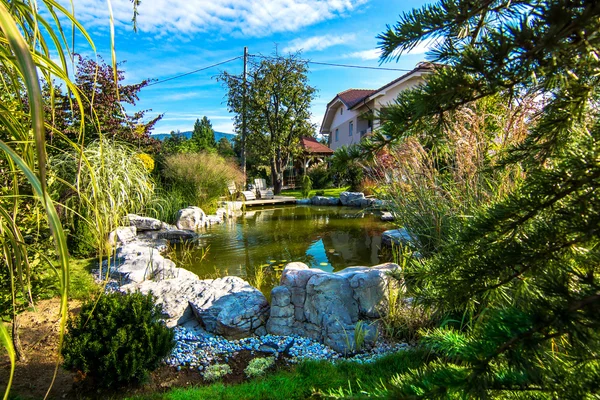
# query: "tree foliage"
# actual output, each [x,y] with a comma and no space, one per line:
[104,102]
[203,135]
[276,102]
[522,273]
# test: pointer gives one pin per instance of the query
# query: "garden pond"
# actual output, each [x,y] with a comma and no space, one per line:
[263,240]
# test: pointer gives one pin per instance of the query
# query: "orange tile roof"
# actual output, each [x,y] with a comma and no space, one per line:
[311,145]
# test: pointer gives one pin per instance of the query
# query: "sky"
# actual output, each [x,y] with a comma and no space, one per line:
[178,36]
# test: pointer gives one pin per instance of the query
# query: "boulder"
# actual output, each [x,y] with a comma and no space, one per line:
[396,236]
[122,235]
[137,262]
[231,307]
[303,202]
[191,218]
[174,295]
[327,306]
[370,287]
[352,199]
[387,216]
[144,223]
[367,202]
[325,201]
[177,235]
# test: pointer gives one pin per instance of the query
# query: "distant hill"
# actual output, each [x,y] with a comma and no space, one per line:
[188,134]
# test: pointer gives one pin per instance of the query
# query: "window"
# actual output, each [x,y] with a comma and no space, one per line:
[341,110]
[336,134]
[351,129]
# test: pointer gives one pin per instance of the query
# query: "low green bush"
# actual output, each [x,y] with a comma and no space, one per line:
[306,186]
[117,339]
[216,372]
[259,366]
[320,176]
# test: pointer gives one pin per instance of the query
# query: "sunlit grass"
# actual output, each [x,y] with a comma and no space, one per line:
[332,192]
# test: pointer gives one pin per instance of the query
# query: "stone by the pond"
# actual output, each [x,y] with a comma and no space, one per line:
[395,236]
[190,218]
[121,235]
[177,235]
[387,216]
[325,201]
[352,199]
[303,202]
[326,306]
[144,223]
[231,307]
[137,262]
[173,294]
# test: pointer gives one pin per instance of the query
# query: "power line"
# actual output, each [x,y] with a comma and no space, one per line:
[338,65]
[193,72]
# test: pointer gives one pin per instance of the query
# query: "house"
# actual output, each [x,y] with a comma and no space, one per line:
[352,114]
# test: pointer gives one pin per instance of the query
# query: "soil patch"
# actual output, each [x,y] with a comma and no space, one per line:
[39,338]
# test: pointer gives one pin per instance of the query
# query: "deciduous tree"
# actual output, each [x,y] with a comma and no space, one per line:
[276,102]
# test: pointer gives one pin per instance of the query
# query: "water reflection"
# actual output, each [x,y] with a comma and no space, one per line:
[330,238]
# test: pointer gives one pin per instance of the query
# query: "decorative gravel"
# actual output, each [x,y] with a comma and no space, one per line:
[196,349]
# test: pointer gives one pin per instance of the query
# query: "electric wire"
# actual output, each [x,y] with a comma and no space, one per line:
[193,72]
[267,57]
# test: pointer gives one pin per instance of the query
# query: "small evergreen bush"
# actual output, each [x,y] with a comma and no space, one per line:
[118,340]
[306,186]
[259,366]
[215,372]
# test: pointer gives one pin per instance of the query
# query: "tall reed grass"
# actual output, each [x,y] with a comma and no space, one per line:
[31,41]
[434,184]
[200,178]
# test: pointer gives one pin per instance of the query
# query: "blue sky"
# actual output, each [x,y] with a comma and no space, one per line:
[178,36]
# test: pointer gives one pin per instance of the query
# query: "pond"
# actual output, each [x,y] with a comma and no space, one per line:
[330,238]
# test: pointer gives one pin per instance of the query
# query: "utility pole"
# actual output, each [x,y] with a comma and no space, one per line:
[244,133]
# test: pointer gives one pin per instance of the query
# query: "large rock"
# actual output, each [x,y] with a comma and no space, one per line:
[137,262]
[122,235]
[191,218]
[396,237]
[370,287]
[327,306]
[174,295]
[231,307]
[325,201]
[144,223]
[226,306]
[352,199]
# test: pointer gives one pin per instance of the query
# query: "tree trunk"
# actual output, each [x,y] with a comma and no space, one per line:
[20,356]
[277,175]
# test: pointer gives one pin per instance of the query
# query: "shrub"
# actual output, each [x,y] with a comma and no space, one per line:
[320,176]
[306,186]
[216,371]
[320,193]
[201,178]
[147,160]
[118,339]
[259,366]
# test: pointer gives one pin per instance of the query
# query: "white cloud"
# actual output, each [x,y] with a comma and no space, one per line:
[318,43]
[256,18]
[365,55]
[374,54]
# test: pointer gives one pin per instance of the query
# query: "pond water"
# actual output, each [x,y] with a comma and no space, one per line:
[330,238]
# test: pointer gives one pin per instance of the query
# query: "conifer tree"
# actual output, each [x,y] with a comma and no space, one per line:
[203,135]
[522,277]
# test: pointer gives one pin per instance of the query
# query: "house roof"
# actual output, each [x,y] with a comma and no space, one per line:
[351,97]
[423,66]
[311,146]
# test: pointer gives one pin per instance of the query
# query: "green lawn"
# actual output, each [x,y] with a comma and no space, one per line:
[305,380]
[333,192]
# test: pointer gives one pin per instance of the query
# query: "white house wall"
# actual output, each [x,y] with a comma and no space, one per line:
[342,123]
